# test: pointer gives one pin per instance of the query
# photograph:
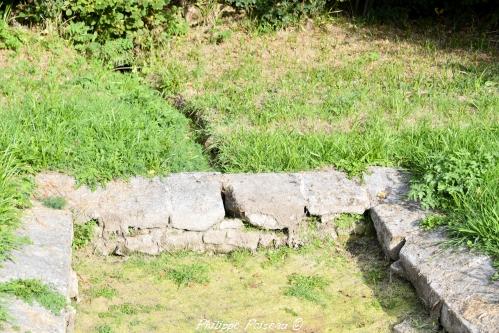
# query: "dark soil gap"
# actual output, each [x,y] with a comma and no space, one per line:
[200,128]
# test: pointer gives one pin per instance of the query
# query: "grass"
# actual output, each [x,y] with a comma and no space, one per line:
[54,202]
[306,287]
[185,275]
[328,286]
[65,113]
[33,290]
[349,96]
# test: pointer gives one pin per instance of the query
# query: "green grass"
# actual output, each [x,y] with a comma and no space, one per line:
[310,288]
[184,275]
[54,202]
[65,113]
[33,290]
[351,97]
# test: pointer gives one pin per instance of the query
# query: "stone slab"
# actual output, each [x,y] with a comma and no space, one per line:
[393,223]
[454,283]
[47,258]
[196,200]
[328,193]
[267,200]
[386,185]
[34,318]
[48,255]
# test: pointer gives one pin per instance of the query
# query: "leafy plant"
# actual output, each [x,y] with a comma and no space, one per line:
[281,13]
[9,38]
[433,221]
[83,233]
[310,288]
[185,274]
[33,290]
[449,175]
[277,256]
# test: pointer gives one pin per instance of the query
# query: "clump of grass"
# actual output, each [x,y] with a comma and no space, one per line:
[106,292]
[277,256]
[308,287]
[186,274]
[239,257]
[83,233]
[14,189]
[54,202]
[34,290]
[104,329]
[129,309]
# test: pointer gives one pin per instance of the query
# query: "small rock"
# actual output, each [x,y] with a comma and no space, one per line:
[243,239]
[215,237]
[231,224]
[182,240]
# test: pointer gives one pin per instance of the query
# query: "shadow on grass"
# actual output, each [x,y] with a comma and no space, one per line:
[389,291]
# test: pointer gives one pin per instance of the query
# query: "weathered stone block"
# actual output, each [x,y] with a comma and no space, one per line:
[243,239]
[268,200]
[231,224]
[454,283]
[393,223]
[35,318]
[331,192]
[196,200]
[182,240]
[48,255]
[216,237]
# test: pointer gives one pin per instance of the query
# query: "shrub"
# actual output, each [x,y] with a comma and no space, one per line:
[104,20]
[281,13]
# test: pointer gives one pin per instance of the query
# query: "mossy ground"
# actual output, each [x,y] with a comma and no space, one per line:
[328,287]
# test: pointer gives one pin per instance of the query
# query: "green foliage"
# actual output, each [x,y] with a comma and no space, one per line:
[281,13]
[239,257]
[104,20]
[14,191]
[54,202]
[448,175]
[33,290]
[185,274]
[104,329]
[106,292]
[3,315]
[433,221]
[277,256]
[347,220]
[9,38]
[310,288]
[83,233]
[124,129]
